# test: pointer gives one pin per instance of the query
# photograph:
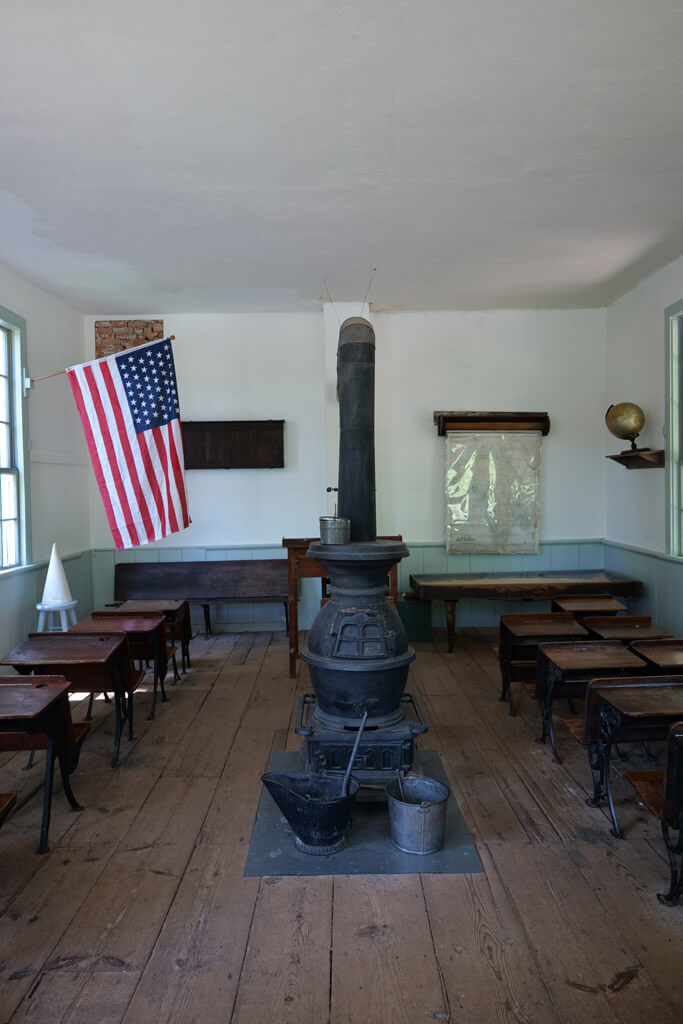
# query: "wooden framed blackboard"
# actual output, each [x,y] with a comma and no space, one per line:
[234,444]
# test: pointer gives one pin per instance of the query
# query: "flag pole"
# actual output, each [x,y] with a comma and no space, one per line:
[32,380]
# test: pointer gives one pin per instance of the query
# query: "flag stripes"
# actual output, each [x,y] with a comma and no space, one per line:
[140,475]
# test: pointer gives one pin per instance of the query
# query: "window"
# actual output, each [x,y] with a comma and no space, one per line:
[13,443]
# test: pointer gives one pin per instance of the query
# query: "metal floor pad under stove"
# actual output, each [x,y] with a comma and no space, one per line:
[369,849]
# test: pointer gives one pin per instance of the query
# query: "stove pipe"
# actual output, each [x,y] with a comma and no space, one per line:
[357,651]
[356,392]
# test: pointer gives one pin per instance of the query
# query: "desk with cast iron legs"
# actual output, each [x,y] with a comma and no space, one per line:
[519,638]
[92,664]
[37,709]
[177,617]
[628,711]
[145,639]
[565,670]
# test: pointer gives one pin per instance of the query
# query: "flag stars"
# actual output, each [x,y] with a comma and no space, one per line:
[148,380]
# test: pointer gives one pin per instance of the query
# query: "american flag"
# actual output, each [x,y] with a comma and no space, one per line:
[128,404]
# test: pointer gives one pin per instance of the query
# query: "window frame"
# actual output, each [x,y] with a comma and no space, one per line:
[15,327]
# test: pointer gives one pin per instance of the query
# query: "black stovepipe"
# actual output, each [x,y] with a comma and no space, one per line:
[356,391]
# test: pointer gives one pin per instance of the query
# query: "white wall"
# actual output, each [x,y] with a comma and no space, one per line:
[247,366]
[499,360]
[636,372]
[59,465]
[277,366]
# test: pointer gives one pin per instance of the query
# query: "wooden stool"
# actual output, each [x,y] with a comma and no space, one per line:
[47,617]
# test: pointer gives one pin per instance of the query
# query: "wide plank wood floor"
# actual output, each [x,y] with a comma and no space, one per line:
[140,913]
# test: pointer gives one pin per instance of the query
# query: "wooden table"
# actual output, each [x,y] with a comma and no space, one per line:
[299,567]
[625,628]
[565,669]
[177,616]
[519,637]
[93,664]
[37,709]
[145,638]
[528,586]
[640,710]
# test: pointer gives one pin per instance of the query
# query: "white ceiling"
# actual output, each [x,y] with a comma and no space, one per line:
[218,155]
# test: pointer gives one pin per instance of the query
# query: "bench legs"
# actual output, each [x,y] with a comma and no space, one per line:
[207,619]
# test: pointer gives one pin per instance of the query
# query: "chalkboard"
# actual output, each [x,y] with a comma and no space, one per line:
[234,444]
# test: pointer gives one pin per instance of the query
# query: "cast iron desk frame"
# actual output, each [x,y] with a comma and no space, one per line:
[592,659]
[36,709]
[630,711]
[672,814]
[503,586]
[99,655]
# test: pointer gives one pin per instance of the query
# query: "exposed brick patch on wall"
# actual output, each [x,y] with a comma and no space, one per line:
[116,335]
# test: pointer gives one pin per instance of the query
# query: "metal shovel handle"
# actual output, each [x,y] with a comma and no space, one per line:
[353,753]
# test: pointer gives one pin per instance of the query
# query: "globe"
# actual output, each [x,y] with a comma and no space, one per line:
[625,420]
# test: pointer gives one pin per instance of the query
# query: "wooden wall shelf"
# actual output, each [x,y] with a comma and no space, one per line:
[640,458]
[492,421]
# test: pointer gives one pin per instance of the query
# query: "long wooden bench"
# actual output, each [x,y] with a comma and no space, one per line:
[256,581]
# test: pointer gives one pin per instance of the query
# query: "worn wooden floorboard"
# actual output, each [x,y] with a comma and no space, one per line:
[489,971]
[384,967]
[140,913]
[193,972]
[286,974]
[591,969]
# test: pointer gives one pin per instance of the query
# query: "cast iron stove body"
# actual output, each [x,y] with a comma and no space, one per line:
[357,654]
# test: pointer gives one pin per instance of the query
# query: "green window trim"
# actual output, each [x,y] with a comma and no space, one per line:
[14,335]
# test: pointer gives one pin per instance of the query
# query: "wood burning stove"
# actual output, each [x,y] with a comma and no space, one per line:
[357,654]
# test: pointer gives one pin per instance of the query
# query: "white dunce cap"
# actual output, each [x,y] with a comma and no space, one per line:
[56,589]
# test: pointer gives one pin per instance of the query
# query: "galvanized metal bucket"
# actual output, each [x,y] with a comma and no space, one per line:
[418,822]
[335,530]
